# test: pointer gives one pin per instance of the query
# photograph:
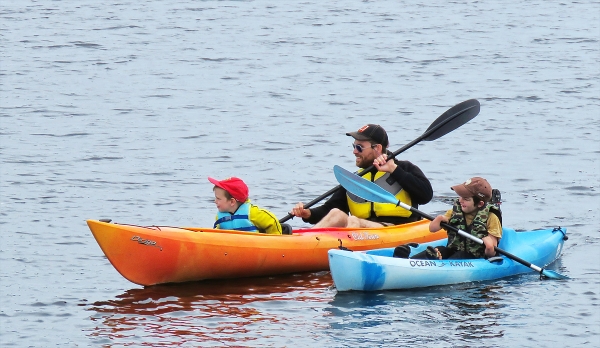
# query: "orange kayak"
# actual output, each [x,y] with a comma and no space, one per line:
[149,255]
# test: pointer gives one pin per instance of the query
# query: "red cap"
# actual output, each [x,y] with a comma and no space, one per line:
[235,186]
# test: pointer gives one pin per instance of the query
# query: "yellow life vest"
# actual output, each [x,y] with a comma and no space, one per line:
[363,209]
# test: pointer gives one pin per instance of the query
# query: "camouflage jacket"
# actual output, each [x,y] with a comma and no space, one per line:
[477,228]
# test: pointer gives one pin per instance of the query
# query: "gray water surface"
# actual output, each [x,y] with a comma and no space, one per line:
[122,110]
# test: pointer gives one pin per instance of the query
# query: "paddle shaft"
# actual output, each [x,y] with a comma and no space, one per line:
[450,120]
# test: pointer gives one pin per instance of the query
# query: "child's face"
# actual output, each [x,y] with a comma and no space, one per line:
[467,204]
[223,204]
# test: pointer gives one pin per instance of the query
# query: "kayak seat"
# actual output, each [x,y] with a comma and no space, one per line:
[507,242]
[508,239]
[286,229]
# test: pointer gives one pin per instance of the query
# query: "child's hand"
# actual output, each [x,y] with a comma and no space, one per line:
[490,242]
[435,224]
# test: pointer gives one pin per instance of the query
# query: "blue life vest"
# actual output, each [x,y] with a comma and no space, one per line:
[239,221]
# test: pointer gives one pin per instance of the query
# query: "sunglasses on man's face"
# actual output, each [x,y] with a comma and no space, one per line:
[360,148]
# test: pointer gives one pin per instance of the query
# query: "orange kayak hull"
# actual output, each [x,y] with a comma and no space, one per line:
[149,255]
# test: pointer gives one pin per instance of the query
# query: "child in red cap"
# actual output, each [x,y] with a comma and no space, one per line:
[237,213]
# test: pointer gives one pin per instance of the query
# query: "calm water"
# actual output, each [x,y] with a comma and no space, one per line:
[122,109]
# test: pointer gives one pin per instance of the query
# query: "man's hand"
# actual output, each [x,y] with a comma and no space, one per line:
[383,165]
[299,211]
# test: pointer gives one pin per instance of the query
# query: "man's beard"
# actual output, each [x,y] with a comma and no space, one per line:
[364,162]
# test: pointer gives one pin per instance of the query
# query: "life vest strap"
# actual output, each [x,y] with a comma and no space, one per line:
[230,218]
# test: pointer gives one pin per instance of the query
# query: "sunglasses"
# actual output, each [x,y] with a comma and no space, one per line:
[360,148]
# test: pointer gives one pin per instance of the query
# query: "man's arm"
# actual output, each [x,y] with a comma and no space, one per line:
[412,179]
[337,200]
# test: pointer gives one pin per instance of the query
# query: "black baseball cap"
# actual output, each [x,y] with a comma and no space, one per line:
[371,132]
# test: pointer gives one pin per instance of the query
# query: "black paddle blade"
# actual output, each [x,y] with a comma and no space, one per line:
[455,117]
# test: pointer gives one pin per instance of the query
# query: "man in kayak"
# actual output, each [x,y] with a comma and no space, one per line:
[472,212]
[401,178]
[237,213]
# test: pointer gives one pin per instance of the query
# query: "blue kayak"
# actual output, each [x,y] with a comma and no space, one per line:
[375,270]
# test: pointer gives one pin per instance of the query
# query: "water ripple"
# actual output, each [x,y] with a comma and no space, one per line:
[124,109]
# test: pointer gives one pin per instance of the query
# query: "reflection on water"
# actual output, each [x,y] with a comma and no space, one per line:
[477,314]
[465,312]
[230,312]
[253,311]
[221,311]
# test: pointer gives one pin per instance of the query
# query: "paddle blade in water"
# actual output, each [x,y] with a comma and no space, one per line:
[455,117]
[553,275]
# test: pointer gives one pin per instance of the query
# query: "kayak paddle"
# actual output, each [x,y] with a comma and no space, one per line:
[374,193]
[453,118]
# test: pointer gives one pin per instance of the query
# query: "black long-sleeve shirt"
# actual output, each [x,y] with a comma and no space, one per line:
[408,175]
